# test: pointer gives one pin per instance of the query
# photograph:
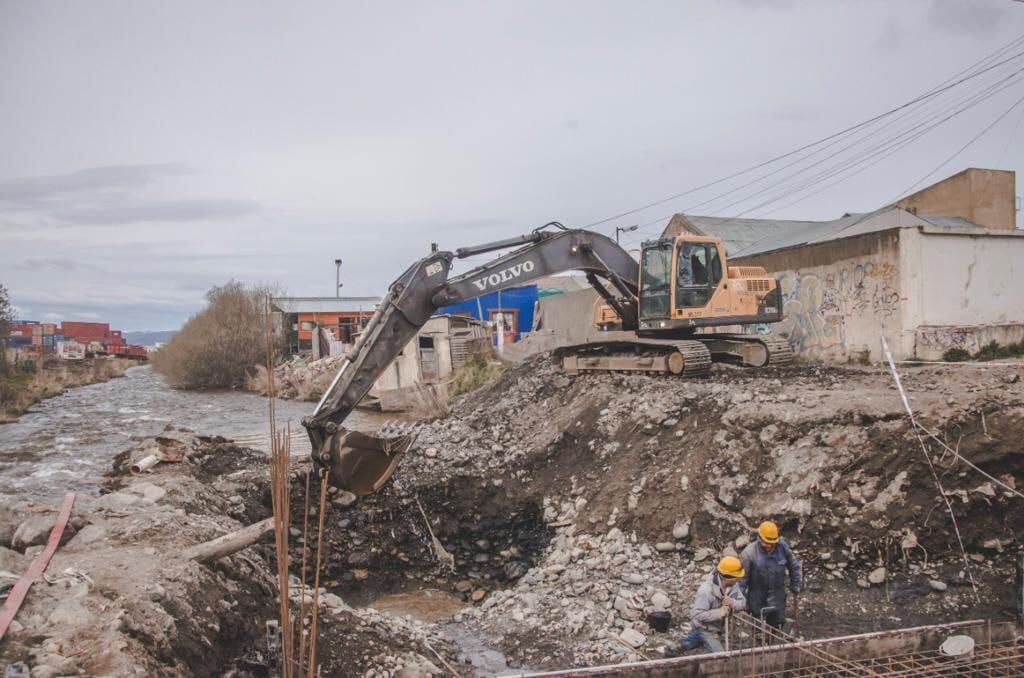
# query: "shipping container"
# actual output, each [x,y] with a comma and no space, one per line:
[49,328]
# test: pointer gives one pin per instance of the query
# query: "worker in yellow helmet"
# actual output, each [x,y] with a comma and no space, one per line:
[718,597]
[766,562]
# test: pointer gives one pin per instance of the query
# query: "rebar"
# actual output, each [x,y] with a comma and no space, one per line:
[280,489]
[316,576]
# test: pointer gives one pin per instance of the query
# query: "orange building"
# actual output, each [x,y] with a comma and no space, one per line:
[339,317]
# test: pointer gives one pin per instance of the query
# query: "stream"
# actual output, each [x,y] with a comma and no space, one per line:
[67,442]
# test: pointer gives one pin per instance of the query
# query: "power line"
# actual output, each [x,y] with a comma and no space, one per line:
[884,149]
[927,95]
[962,148]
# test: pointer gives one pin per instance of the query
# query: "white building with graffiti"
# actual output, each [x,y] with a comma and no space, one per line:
[941,269]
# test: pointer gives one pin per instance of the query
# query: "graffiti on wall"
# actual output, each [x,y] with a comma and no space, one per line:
[941,339]
[818,307]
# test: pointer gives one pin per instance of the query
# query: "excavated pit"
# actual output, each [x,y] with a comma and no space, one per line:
[567,505]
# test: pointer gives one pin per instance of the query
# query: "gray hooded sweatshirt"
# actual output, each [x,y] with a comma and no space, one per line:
[706,612]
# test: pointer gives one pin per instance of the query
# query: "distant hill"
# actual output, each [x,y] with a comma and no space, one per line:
[148,338]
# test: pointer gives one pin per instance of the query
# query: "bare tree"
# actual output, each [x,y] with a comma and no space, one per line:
[221,345]
[6,318]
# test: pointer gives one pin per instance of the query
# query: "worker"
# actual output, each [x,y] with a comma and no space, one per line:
[766,561]
[718,597]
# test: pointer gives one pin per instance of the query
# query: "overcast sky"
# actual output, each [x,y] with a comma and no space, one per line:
[149,151]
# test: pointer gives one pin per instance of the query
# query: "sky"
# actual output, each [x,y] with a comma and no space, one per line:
[150,151]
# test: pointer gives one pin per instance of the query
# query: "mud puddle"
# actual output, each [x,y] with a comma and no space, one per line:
[427,605]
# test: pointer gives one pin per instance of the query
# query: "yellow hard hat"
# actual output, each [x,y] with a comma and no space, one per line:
[769,532]
[730,567]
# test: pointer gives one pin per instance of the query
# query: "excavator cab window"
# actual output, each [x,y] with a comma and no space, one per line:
[655,279]
[698,272]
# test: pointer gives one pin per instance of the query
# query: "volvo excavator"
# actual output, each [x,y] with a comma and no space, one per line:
[662,306]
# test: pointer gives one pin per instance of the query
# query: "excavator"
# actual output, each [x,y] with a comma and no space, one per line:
[662,307]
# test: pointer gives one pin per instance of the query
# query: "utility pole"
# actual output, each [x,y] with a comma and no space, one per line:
[337,278]
[623,229]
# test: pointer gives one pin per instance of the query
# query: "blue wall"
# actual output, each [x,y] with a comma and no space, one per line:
[522,299]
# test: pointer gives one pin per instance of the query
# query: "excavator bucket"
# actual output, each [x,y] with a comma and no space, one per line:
[361,463]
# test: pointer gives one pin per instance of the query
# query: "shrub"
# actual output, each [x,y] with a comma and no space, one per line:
[956,355]
[221,345]
[474,373]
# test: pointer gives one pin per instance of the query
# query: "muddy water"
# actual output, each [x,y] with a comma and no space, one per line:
[434,606]
[67,442]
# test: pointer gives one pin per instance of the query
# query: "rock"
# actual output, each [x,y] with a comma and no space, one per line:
[665,546]
[430,452]
[660,601]
[681,529]
[633,638]
[12,561]
[478,595]
[632,578]
[863,583]
[344,499]
[877,575]
[88,535]
[463,586]
[33,531]
[701,554]
[937,585]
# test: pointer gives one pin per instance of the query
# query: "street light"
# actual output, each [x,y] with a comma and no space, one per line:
[337,278]
[623,229]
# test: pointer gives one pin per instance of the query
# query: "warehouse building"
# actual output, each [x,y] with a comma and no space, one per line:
[938,270]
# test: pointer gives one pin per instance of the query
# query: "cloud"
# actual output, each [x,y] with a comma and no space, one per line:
[114,195]
[54,265]
[157,211]
[32,192]
[969,18]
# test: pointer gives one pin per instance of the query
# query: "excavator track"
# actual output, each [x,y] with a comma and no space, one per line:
[751,350]
[684,357]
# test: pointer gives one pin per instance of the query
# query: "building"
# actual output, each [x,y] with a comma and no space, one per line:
[334,321]
[418,374]
[937,270]
[516,305]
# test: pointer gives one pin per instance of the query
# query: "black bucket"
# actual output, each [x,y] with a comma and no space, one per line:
[659,620]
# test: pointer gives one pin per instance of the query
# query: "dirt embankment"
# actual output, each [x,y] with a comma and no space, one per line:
[21,389]
[563,508]
[121,598]
[571,505]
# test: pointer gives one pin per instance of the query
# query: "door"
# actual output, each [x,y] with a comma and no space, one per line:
[698,272]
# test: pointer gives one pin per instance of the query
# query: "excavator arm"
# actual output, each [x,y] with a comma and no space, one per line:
[362,463]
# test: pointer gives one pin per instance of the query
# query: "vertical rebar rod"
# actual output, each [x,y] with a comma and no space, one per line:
[316,575]
[305,549]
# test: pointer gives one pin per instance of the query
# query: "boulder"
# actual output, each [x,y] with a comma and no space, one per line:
[681,529]
[937,585]
[33,531]
[877,575]
[632,637]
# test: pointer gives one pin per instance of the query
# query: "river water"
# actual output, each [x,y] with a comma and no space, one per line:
[67,442]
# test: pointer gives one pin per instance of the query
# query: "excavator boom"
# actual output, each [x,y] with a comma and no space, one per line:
[362,465]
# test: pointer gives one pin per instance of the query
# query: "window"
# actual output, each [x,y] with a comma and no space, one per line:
[698,272]
[656,269]
[306,324]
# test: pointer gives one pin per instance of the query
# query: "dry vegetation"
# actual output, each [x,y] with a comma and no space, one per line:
[221,345]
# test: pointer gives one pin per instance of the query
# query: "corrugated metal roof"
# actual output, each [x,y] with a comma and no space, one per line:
[745,237]
[740,234]
[325,304]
